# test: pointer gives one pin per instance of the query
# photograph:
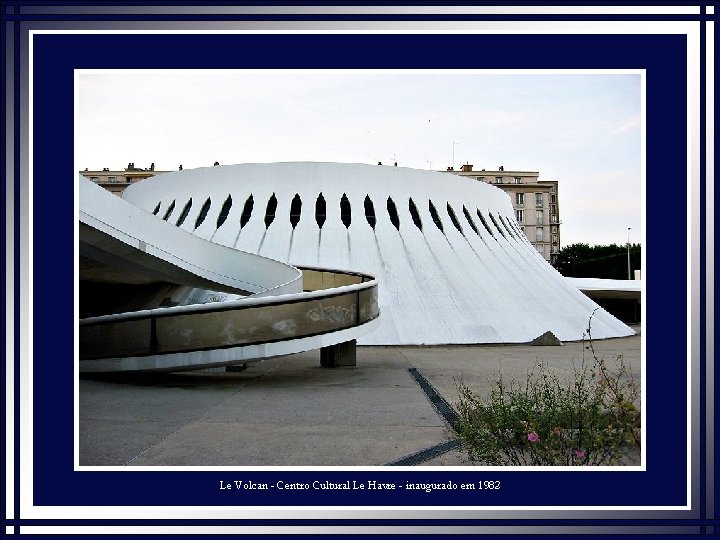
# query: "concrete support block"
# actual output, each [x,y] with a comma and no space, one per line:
[548,338]
[340,355]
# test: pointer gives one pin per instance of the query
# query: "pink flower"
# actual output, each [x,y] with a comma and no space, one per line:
[533,437]
[579,454]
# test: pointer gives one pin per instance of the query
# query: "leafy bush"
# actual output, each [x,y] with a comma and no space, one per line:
[589,418]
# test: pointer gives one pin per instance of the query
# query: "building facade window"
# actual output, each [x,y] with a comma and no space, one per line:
[518,180]
[520,199]
[520,216]
[539,217]
[553,218]
[538,199]
[553,198]
[498,179]
[538,234]
[554,238]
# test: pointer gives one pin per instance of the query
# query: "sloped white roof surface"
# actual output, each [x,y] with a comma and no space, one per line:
[475,285]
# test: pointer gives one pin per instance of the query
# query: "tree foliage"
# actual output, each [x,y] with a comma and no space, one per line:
[607,261]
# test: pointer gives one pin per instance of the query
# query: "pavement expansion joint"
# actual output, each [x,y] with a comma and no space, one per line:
[427,454]
[444,409]
[440,404]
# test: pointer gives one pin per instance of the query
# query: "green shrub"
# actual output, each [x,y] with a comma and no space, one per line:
[591,417]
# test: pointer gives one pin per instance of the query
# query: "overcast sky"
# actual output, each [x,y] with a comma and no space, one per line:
[580,129]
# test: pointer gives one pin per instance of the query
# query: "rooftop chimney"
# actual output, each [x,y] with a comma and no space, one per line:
[466,168]
[501,168]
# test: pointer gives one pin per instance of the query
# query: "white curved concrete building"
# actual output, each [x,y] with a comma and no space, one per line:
[452,264]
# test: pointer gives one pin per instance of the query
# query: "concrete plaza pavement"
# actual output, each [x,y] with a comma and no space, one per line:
[290,411]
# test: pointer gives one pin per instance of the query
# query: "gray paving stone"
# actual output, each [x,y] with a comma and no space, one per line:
[290,411]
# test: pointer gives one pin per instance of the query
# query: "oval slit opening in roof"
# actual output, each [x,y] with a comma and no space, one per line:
[492,218]
[247,211]
[414,214]
[470,220]
[185,212]
[482,219]
[454,219]
[504,222]
[224,211]
[169,211]
[435,216]
[320,210]
[521,232]
[295,210]
[157,209]
[370,212]
[392,211]
[345,211]
[203,213]
[270,210]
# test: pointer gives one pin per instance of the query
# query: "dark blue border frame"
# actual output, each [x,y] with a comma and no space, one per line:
[57,55]
[55,58]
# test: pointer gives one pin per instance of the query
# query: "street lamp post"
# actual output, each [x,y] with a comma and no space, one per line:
[628,252]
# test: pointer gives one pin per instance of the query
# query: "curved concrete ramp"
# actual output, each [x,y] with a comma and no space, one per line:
[236,332]
[129,245]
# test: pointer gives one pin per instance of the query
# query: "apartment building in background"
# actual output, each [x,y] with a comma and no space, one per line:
[535,202]
[116,181]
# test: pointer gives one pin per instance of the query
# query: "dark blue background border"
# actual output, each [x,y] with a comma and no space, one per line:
[663,56]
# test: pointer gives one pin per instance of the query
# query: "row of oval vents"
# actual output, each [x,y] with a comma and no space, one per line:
[511,228]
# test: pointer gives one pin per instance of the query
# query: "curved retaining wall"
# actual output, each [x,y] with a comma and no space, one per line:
[226,333]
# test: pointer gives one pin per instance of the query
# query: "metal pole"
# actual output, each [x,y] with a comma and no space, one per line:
[628,253]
